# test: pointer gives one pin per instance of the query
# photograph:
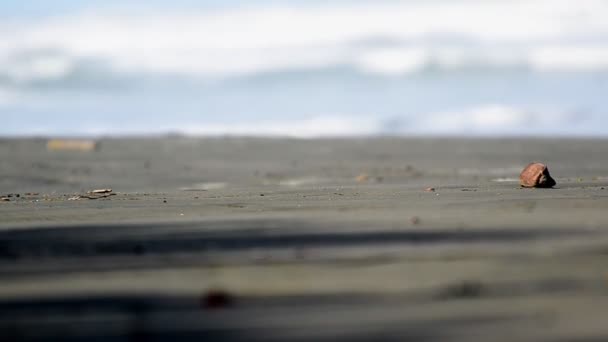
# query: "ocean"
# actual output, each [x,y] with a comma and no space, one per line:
[306,68]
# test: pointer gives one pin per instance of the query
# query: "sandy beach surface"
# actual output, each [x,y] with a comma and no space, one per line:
[251,239]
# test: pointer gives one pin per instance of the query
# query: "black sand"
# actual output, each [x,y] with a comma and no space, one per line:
[280,239]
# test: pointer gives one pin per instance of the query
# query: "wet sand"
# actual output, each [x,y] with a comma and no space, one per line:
[306,240]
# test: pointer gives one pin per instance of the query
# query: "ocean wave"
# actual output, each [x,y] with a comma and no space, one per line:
[61,71]
[505,67]
[389,38]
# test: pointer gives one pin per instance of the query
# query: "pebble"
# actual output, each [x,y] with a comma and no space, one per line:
[536,175]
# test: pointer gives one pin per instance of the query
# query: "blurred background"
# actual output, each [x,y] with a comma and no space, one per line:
[303,68]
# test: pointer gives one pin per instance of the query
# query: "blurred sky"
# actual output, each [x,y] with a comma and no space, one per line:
[303,67]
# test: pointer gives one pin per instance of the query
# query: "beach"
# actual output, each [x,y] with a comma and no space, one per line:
[280,239]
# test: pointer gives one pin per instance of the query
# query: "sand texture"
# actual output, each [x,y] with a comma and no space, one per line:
[242,239]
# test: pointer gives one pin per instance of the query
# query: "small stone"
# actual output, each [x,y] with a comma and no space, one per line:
[536,175]
[415,220]
[430,189]
[5,199]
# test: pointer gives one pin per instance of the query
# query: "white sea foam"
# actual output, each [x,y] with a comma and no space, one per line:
[328,126]
[314,127]
[39,68]
[491,119]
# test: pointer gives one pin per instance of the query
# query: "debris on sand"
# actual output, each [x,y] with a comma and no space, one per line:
[415,220]
[362,178]
[430,189]
[536,175]
[72,145]
[9,197]
[100,191]
[94,194]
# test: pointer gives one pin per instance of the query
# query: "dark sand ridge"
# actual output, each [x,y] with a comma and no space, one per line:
[307,251]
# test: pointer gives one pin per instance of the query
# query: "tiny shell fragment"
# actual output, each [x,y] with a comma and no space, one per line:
[536,175]
[100,191]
